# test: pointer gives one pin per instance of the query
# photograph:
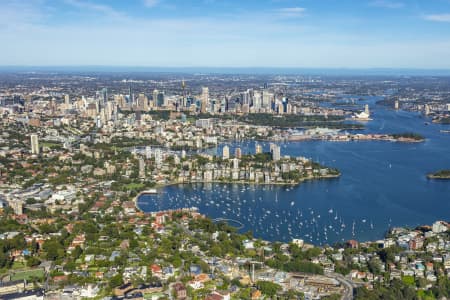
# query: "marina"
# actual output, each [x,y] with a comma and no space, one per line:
[382,185]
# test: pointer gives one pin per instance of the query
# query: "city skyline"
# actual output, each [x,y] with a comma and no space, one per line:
[277,33]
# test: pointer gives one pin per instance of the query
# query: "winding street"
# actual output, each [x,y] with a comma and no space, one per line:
[347,283]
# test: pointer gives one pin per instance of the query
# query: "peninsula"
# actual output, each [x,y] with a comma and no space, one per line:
[441,174]
[259,168]
[330,135]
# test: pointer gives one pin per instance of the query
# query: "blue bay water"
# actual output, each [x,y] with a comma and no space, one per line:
[383,184]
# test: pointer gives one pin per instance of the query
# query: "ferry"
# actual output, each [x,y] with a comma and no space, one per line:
[445,131]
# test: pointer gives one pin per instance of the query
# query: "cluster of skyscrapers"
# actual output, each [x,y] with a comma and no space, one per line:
[105,107]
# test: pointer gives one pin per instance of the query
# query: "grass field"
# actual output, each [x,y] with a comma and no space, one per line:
[29,274]
[18,265]
[134,186]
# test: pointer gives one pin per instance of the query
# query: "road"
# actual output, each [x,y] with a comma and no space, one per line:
[347,283]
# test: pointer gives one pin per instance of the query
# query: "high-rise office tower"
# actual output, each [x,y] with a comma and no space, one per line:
[130,96]
[155,96]
[161,99]
[158,98]
[285,102]
[183,88]
[104,98]
[67,101]
[204,99]
[267,99]
[223,105]
[247,97]
[142,102]
[257,100]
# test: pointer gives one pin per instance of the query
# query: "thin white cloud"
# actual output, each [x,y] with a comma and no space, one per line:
[291,11]
[16,13]
[438,17]
[241,40]
[387,4]
[99,8]
[151,3]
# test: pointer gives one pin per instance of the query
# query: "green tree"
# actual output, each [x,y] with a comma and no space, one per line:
[33,261]
[115,281]
[268,288]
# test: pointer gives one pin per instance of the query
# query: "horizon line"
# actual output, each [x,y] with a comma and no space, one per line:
[260,70]
[224,67]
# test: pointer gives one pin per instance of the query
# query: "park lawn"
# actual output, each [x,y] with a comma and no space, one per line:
[32,273]
[51,145]
[134,186]
[18,265]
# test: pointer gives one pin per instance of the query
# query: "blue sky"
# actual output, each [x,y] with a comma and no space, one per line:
[226,33]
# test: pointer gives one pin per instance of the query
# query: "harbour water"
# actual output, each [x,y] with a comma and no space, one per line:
[383,184]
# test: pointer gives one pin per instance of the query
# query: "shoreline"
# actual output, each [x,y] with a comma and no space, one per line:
[292,184]
[353,138]
[438,177]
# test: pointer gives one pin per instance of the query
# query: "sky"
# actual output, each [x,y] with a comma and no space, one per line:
[226,33]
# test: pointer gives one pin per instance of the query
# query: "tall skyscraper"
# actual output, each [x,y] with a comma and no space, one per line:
[142,102]
[224,105]
[285,102]
[34,144]
[67,101]
[257,100]
[247,97]
[183,88]
[267,99]
[155,96]
[158,98]
[130,96]
[104,98]
[204,99]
